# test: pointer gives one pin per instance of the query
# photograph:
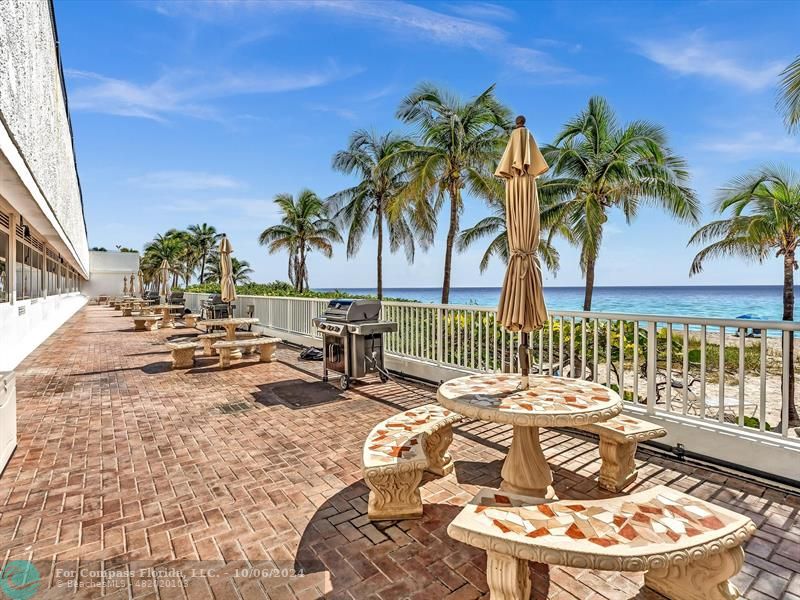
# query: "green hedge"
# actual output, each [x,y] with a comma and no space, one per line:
[278,288]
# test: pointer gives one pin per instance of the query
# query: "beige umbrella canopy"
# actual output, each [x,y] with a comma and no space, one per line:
[228,288]
[141,282]
[522,305]
[133,284]
[124,286]
[164,279]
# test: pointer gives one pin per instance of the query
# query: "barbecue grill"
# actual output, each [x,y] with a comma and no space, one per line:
[352,339]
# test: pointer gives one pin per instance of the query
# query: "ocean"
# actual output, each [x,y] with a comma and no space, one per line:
[727,302]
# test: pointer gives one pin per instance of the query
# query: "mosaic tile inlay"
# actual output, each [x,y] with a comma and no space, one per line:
[668,518]
[545,394]
[398,438]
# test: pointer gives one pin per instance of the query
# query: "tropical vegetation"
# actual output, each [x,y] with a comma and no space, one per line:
[598,165]
[457,143]
[305,226]
[372,204]
[762,219]
[789,95]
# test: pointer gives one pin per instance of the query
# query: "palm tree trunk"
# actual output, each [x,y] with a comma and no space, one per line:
[379,219]
[589,290]
[203,269]
[302,277]
[451,236]
[788,315]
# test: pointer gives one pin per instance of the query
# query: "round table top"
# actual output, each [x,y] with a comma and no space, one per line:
[548,402]
[231,321]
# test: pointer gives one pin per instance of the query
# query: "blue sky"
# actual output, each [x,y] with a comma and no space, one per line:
[202,112]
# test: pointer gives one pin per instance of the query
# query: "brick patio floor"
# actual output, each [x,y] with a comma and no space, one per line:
[124,465]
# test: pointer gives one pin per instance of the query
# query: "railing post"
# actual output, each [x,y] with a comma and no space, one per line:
[289,314]
[652,365]
[440,335]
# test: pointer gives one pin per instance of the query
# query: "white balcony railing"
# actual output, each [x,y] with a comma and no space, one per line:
[726,376]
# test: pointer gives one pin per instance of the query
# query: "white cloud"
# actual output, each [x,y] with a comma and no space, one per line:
[752,143]
[403,19]
[723,61]
[482,10]
[187,92]
[184,180]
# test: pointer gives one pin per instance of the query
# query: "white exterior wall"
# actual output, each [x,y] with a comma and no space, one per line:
[106,270]
[38,177]
[39,185]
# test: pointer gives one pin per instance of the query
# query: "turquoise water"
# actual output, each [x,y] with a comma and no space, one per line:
[761,302]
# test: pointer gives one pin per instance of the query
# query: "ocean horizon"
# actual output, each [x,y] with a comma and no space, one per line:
[722,301]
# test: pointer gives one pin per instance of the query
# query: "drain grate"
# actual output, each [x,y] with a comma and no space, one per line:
[234,407]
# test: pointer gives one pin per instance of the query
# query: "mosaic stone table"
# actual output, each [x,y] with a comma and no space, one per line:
[230,326]
[166,312]
[548,402]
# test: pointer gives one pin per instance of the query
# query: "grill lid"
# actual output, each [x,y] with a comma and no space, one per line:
[352,311]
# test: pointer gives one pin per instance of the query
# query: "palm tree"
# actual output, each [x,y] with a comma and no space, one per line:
[371,203]
[789,95]
[304,227]
[764,217]
[494,227]
[459,143]
[168,246]
[598,165]
[241,271]
[204,239]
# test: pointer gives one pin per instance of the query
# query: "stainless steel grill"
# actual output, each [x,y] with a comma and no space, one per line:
[352,339]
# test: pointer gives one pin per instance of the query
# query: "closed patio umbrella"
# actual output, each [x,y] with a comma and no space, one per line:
[522,305]
[133,284]
[141,282]
[164,280]
[124,286]
[227,286]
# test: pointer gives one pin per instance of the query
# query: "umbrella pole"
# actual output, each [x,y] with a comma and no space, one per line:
[524,359]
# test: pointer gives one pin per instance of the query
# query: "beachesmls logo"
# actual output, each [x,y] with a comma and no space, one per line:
[19,580]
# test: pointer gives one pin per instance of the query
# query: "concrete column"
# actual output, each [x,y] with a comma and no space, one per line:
[13,219]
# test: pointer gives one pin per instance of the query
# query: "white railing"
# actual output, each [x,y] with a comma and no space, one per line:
[663,366]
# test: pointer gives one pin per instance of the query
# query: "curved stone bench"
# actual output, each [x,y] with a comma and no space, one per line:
[146,322]
[688,548]
[208,339]
[266,348]
[618,439]
[397,451]
[182,354]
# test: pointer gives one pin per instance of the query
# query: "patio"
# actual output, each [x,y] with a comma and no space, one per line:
[124,462]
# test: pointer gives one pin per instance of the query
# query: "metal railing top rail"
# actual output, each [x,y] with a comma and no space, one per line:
[614,316]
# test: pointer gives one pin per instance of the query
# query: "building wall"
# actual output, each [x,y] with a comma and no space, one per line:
[38,176]
[106,270]
[40,196]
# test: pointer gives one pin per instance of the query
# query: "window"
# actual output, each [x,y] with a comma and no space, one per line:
[29,265]
[4,266]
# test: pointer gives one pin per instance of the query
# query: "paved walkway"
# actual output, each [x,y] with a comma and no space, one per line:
[126,469]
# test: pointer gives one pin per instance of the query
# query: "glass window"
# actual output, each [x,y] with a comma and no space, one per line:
[20,268]
[4,267]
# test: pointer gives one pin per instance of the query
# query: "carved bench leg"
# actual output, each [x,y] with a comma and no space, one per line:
[394,493]
[138,326]
[224,357]
[618,468]
[706,579]
[266,352]
[183,358]
[436,444]
[151,325]
[190,321]
[507,577]
[207,349]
